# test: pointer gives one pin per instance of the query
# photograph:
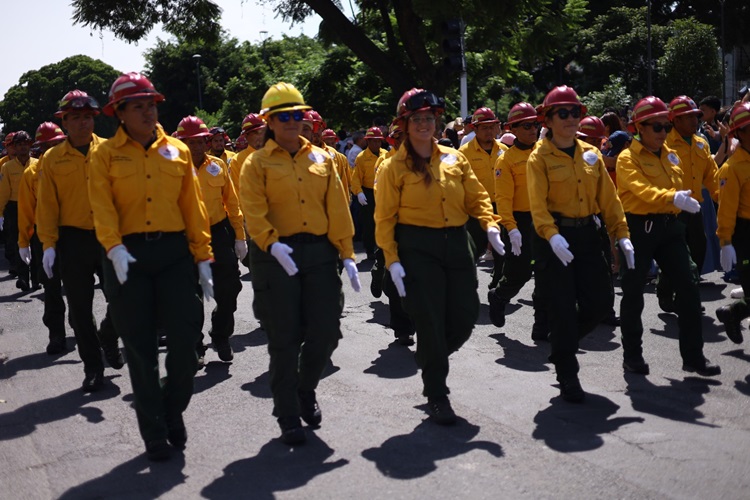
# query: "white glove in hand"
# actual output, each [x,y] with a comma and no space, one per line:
[351,270]
[281,252]
[627,248]
[597,221]
[362,199]
[48,261]
[560,247]
[2,221]
[728,258]
[397,275]
[493,235]
[240,248]
[121,260]
[516,241]
[684,201]
[206,279]
[25,254]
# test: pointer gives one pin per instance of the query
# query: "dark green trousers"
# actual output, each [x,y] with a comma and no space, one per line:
[54,305]
[660,237]
[161,288]
[576,297]
[741,243]
[367,221]
[301,315]
[441,296]
[516,268]
[10,230]
[695,237]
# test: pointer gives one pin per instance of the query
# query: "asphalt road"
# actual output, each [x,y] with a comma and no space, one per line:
[666,435]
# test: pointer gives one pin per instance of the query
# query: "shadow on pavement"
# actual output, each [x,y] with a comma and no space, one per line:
[416,454]
[254,338]
[381,314]
[602,338]
[739,354]
[136,478]
[743,386]
[395,361]
[24,420]
[10,367]
[519,356]
[215,373]
[275,468]
[678,401]
[570,428]
[260,387]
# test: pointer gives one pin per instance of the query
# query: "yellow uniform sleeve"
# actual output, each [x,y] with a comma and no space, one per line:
[387,203]
[647,183]
[734,194]
[27,206]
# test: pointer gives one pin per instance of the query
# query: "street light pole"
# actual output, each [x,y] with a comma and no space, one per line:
[263,38]
[723,62]
[197,58]
[648,47]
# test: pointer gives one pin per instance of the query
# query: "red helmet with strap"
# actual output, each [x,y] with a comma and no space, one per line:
[241,142]
[21,136]
[47,132]
[252,122]
[683,105]
[419,100]
[8,139]
[560,96]
[130,86]
[649,107]
[374,133]
[521,112]
[483,115]
[329,134]
[191,126]
[740,117]
[76,100]
[592,126]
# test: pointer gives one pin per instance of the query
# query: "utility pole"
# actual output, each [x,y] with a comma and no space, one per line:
[197,58]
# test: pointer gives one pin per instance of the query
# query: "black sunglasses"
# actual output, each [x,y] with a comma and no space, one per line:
[658,127]
[424,100]
[285,116]
[83,102]
[564,113]
[527,125]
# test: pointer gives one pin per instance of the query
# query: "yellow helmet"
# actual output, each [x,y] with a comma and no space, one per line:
[282,97]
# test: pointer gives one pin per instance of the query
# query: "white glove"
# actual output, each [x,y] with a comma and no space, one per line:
[684,201]
[516,241]
[240,248]
[351,270]
[728,257]
[560,247]
[397,275]
[48,261]
[206,279]
[281,252]
[2,220]
[25,254]
[121,259]
[627,248]
[597,221]
[362,199]
[493,235]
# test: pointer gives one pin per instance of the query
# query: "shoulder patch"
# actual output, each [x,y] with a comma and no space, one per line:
[673,159]
[169,152]
[590,157]
[448,158]
[316,157]
[213,169]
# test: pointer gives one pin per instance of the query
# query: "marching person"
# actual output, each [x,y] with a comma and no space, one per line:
[568,187]
[150,219]
[425,195]
[650,185]
[48,135]
[227,234]
[734,220]
[217,141]
[253,130]
[297,216]
[11,154]
[339,159]
[363,183]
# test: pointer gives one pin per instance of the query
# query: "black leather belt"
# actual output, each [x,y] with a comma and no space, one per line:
[303,238]
[573,221]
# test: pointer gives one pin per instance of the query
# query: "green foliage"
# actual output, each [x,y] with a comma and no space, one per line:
[613,95]
[690,64]
[35,98]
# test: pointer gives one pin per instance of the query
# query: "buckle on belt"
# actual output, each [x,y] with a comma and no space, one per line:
[153,236]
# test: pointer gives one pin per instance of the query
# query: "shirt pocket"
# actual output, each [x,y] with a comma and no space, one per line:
[172,174]
[124,182]
[560,190]
[280,181]
[215,188]
[318,177]
[413,190]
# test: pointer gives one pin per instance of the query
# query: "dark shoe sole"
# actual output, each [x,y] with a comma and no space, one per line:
[638,368]
[177,438]
[497,309]
[158,450]
[703,372]
[405,340]
[93,384]
[725,316]
[293,436]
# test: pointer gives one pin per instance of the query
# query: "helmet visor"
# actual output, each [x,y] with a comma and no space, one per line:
[424,100]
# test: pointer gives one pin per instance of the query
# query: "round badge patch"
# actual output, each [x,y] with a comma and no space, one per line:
[316,157]
[700,145]
[673,159]
[448,159]
[213,169]
[169,152]
[590,157]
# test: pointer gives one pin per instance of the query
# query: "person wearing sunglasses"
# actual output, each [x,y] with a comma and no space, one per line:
[568,187]
[698,169]
[425,195]
[734,221]
[651,187]
[512,201]
[298,218]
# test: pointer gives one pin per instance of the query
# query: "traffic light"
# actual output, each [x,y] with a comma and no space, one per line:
[453,45]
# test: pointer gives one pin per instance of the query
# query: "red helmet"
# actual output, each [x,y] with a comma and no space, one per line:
[740,117]
[130,86]
[241,142]
[329,134]
[483,115]
[649,107]
[47,132]
[683,105]
[76,99]
[395,129]
[374,133]
[8,139]
[21,136]
[252,122]
[592,126]
[191,126]
[521,112]
[560,96]
[419,100]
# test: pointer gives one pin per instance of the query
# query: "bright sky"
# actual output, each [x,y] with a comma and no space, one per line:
[43,33]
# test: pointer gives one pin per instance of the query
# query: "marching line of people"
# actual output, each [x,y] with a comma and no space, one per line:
[164,220]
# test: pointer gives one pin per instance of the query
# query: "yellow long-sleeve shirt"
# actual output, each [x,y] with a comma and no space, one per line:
[136,190]
[219,195]
[63,191]
[646,183]
[281,195]
[402,197]
[511,190]
[482,163]
[697,164]
[236,166]
[363,175]
[342,167]
[10,179]
[734,194]
[572,187]
[27,200]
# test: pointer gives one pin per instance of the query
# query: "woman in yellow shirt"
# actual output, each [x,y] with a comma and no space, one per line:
[424,196]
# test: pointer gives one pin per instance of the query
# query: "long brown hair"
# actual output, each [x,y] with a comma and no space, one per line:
[419,164]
